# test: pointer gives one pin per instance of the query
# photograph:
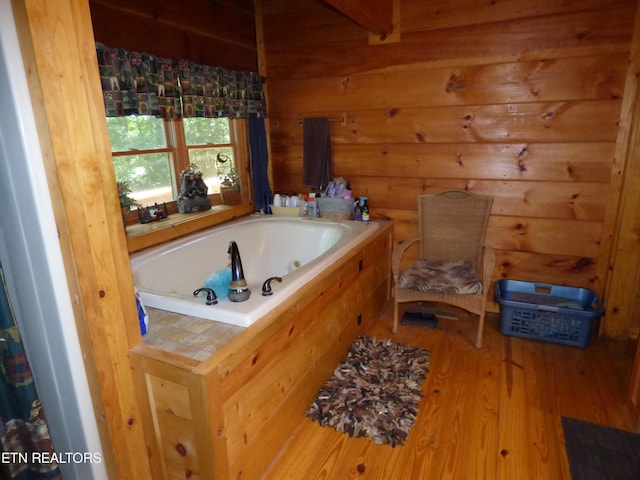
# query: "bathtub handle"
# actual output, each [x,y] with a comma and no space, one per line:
[266,286]
[212,299]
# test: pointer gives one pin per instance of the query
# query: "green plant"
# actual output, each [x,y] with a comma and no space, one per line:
[231,180]
[123,192]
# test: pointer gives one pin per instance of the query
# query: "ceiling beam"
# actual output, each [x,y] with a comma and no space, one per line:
[374,15]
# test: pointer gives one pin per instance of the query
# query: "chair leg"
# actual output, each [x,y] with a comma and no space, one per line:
[480,330]
[395,317]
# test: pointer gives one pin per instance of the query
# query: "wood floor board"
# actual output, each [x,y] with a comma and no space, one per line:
[493,413]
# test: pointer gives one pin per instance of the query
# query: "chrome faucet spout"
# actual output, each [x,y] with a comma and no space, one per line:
[238,289]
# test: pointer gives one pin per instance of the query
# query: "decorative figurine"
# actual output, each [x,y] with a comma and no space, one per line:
[193,191]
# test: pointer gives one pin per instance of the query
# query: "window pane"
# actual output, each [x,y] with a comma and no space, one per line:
[212,170]
[136,133]
[206,131]
[148,175]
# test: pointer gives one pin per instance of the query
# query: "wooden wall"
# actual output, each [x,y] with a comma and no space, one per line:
[519,100]
[491,138]
[219,33]
[523,101]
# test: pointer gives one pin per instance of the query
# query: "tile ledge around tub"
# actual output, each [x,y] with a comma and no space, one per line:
[191,337]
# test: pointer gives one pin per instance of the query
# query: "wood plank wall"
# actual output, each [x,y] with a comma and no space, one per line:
[219,33]
[519,100]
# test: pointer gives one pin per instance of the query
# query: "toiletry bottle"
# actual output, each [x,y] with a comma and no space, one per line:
[313,206]
[347,191]
[304,206]
[357,211]
[364,208]
[277,200]
[295,200]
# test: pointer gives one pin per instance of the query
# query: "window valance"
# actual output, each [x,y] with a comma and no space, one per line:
[141,84]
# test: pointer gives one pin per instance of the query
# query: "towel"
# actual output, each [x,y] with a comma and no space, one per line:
[316,163]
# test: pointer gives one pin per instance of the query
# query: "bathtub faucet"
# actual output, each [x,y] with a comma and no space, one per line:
[212,299]
[238,289]
[266,286]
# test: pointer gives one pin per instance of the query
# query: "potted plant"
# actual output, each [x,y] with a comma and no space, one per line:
[126,202]
[230,188]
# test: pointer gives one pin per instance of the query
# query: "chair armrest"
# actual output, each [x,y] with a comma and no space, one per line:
[396,255]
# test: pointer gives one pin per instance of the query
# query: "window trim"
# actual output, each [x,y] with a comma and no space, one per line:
[140,236]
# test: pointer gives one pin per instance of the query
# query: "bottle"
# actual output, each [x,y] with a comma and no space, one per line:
[277,200]
[294,201]
[347,191]
[304,206]
[357,211]
[364,208]
[313,206]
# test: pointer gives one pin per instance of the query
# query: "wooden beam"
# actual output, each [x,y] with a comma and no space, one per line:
[625,257]
[374,15]
[64,82]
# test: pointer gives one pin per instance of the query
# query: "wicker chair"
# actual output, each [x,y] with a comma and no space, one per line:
[454,266]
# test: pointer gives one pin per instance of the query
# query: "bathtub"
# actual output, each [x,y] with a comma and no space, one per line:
[296,249]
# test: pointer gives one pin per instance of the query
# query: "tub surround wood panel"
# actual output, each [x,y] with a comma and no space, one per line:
[522,102]
[243,402]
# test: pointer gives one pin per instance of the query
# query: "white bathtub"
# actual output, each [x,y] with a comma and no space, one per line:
[296,249]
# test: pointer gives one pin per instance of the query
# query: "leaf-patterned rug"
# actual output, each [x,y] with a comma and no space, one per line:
[374,392]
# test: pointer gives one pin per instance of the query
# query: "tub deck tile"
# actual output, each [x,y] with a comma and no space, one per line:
[185,335]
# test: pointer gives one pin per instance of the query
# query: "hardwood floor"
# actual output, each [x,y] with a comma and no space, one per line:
[493,413]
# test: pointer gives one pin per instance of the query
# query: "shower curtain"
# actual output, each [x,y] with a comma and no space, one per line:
[26,450]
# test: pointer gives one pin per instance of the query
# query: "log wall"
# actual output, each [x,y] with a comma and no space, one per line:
[520,100]
[218,33]
[334,53]
[527,102]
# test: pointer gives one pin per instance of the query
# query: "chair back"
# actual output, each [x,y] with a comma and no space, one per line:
[453,225]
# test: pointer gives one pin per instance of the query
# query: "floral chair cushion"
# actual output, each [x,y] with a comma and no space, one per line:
[441,277]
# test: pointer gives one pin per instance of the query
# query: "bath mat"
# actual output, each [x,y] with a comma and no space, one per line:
[598,452]
[374,392]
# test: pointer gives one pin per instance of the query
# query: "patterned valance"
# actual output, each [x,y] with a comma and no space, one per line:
[141,84]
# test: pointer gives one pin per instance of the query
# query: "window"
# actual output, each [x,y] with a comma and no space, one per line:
[149,153]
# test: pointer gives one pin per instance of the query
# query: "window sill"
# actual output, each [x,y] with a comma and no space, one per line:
[140,236]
